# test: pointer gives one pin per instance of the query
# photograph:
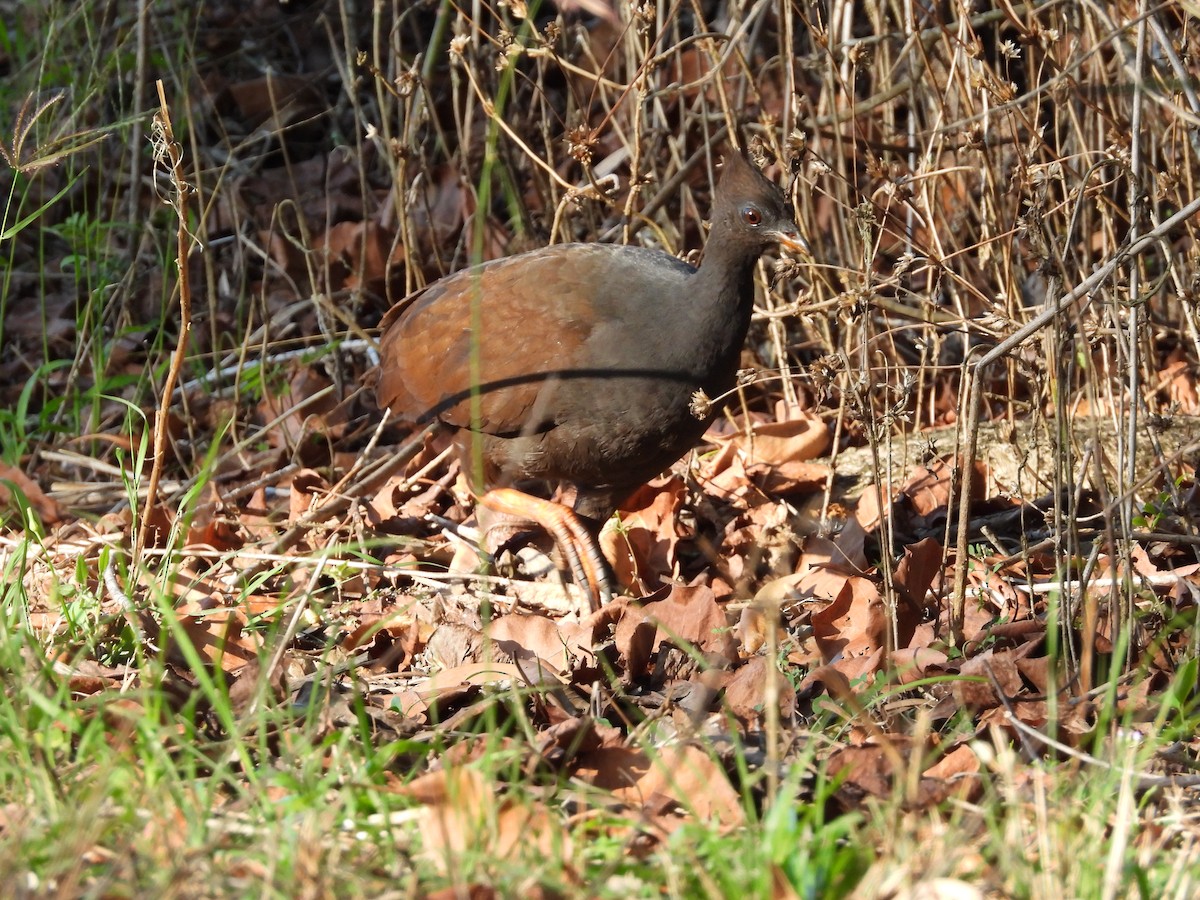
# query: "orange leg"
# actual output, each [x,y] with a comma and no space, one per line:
[572,536]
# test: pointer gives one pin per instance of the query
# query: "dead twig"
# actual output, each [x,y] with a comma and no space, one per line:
[168,150]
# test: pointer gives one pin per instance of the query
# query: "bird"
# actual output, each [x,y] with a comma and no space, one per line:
[593,365]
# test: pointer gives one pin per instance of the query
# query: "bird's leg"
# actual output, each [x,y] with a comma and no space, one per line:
[569,531]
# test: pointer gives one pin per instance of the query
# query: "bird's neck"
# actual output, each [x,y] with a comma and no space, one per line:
[724,291]
[727,268]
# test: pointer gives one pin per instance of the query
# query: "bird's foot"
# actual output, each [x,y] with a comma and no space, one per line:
[570,533]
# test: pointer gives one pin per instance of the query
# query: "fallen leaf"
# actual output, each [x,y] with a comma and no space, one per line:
[46,507]
[460,811]
[685,774]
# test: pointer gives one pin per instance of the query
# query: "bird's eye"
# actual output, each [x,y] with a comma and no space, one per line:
[751,216]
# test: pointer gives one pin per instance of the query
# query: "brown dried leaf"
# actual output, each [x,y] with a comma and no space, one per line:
[360,256]
[453,644]
[766,458]
[863,770]
[916,662]
[959,761]
[745,691]
[928,488]
[46,508]
[461,812]
[278,99]
[689,614]
[1179,383]
[852,631]
[211,524]
[219,636]
[643,549]
[531,637]
[683,773]
[921,564]
[309,490]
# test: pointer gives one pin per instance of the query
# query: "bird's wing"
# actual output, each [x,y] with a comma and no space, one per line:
[477,349]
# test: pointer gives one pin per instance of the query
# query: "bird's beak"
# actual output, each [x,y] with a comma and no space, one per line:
[789,239]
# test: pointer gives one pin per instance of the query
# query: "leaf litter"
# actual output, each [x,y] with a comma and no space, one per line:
[640,705]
